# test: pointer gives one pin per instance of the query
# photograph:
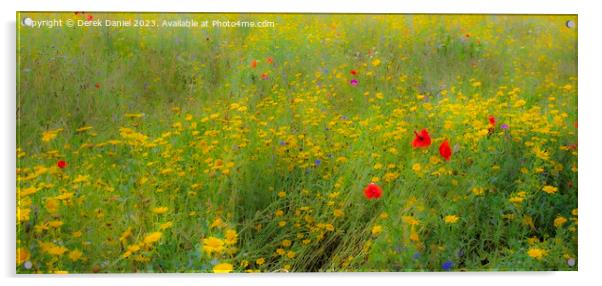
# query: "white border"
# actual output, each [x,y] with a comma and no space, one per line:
[590,125]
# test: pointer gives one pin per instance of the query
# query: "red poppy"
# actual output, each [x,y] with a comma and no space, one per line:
[422,139]
[491,120]
[89,17]
[61,164]
[354,72]
[264,76]
[253,63]
[445,150]
[270,60]
[373,191]
[97,85]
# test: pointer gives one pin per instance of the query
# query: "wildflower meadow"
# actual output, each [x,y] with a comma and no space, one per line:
[325,142]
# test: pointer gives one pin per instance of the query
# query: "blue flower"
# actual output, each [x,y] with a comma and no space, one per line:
[447,265]
[317,162]
[571,262]
[416,255]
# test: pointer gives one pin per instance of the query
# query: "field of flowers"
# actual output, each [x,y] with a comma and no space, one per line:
[326,143]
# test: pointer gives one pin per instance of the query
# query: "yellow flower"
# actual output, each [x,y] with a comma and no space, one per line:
[451,219]
[541,154]
[217,223]
[160,210]
[83,129]
[80,179]
[166,225]
[532,240]
[377,229]
[222,268]
[134,115]
[130,250]
[549,189]
[286,243]
[213,245]
[559,221]
[519,103]
[383,215]
[52,205]
[260,261]
[57,250]
[516,200]
[64,196]
[55,223]
[414,235]
[153,237]
[410,220]
[338,213]
[376,62]
[290,254]
[127,233]
[23,214]
[22,255]
[536,253]
[75,255]
[478,191]
[483,132]
[416,167]
[231,236]
[49,135]
[390,177]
